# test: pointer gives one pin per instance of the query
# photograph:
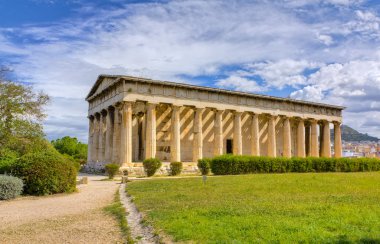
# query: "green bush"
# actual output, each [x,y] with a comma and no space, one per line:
[10,187]
[111,170]
[175,168]
[7,158]
[204,165]
[74,161]
[151,165]
[45,172]
[6,164]
[233,164]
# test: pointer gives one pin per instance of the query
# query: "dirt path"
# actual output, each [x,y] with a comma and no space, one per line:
[64,218]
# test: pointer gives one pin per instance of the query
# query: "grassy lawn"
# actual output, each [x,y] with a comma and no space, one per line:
[316,207]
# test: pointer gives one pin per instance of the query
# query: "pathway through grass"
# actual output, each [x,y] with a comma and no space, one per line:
[316,207]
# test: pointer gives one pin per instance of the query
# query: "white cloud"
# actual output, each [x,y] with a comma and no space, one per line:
[326,39]
[166,40]
[355,84]
[240,84]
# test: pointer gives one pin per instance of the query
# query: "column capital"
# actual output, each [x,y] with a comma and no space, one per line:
[218,111]
[337,122]
[104,112]
[313,120]
[150,105]
[270,116]
[238,113]
[176,107]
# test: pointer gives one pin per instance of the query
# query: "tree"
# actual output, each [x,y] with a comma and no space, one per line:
[72,147]
[21,113]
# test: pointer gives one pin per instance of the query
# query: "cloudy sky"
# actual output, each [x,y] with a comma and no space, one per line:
[319,50]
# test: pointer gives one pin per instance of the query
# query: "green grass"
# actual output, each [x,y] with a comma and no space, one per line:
[309,207]
[118,211]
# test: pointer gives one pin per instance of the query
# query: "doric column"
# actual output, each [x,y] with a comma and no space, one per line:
[90,138]
[102,127]
[109,136]
[307,141]
[287,143]
[314,139]
[150,140]
[116,136]
[337,140]
[95,145]
[255,136]
[126,135]
[272,136]
[326,152]
[218,131]
[135,138]
[198,135]
[301,152]
[175,149]
[237,145]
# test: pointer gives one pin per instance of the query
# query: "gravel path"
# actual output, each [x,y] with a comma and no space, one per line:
[139,232]
[63,218]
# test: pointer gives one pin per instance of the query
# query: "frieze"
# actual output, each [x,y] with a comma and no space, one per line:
[110,90]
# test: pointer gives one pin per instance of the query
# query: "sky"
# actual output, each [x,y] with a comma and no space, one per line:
[318,50]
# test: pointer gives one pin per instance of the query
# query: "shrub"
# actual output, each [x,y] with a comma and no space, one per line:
[10,187]
[111,170]
[7,158]
[234,164]
[151,165]
[204,165]
[175,168]
[45,172]
[6,164]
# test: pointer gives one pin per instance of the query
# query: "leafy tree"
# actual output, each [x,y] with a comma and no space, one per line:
[72,147]
[21,115]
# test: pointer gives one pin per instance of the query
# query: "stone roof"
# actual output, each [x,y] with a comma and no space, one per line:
[202,88]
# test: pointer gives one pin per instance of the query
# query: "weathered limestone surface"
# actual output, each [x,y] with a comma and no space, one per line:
[131,119]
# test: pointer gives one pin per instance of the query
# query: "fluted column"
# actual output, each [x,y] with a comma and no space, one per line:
[287,143]
[126,135]
[198,135]
[272,136]
[326,152]
[101,136]
[175,149]
[255,136]
[90,138]
[314,139]
[109,136]
[116,137]
[150,141]
[237,145]
[301,152]
[307,141]
[95,145]
[218,130]
[337,140]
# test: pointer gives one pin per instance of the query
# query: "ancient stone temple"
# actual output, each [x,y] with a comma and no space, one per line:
[131,119]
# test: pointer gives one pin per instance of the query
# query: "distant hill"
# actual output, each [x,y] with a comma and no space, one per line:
[349,134]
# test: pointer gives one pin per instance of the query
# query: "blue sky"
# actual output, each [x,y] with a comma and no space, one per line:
[322,50]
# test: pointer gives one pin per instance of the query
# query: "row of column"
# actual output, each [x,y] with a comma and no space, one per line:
[117,144]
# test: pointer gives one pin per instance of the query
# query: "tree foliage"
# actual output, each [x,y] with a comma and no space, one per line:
[21,113]
[72,147]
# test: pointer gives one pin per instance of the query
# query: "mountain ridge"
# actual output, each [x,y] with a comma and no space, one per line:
[350,134]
